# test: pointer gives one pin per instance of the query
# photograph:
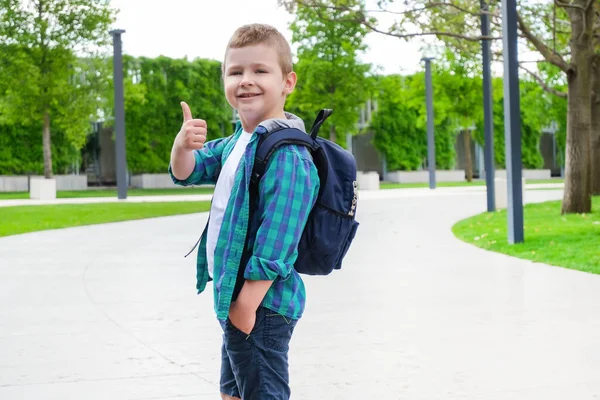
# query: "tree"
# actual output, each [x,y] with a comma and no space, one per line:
[563,32]
[596,117]
[51,80]
[330,73]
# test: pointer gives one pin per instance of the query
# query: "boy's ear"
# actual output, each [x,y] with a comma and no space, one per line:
[290,83]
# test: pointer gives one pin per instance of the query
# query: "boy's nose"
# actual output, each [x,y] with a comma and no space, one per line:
[246,81]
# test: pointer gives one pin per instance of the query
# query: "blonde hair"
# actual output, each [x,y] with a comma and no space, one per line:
[254,34]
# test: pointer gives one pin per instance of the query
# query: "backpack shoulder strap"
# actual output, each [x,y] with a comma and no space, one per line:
[271,141]
[323,115]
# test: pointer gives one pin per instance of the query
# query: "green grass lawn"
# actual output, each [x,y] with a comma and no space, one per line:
[571,241]
[388,185]
[23,219]
[111,193]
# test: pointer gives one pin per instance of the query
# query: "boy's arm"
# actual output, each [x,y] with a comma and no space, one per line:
[192,160]
[205,164]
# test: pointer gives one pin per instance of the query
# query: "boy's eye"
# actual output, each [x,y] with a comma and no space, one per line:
[235,73]
[261,71]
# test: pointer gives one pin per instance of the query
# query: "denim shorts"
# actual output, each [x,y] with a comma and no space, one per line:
[255,366]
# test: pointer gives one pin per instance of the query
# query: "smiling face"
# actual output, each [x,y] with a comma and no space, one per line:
[255,84]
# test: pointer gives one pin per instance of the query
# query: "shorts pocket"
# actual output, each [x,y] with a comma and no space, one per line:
[278,331]
[231,329]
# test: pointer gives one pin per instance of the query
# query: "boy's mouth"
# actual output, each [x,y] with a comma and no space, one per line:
[248,95]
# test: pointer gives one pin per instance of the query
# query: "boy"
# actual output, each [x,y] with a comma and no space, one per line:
[258,315]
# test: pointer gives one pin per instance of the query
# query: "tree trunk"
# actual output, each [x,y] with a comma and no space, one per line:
[468,155]
[47,146]
[332,134]
[596,127]
[577,194]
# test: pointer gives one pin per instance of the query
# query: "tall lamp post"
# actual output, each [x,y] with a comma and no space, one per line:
[487,110]
[512,122]
[121,159]
[430,133]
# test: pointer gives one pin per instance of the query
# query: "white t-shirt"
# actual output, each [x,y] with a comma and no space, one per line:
[221,197]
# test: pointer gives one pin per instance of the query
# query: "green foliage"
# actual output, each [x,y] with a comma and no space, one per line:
[23,219]
[400,124]
[74,106]
[400,121]
[395,127]
[536,114]
[154,89]
[330,74]
[21,150]
[41,74]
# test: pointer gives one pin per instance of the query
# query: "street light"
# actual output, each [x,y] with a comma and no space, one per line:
[121,159]
[430,134]
[512,122]
[487,110]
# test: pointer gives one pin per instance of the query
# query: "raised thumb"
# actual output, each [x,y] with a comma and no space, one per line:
[187,114]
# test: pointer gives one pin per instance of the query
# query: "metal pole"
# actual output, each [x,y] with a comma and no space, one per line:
[430,134]
[512,122]
[487,110]
[121,159]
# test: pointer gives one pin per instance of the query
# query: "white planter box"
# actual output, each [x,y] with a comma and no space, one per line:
[67,182]
[423,176]
[14,184]
[501,192]
[529,174]
[63,182]
[42,189]
[71,182]
[367,180]
[153,181]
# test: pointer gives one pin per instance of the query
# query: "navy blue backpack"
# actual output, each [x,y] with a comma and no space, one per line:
[331,225]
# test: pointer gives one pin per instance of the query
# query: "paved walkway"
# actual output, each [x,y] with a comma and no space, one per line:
[110,312]
[201,197]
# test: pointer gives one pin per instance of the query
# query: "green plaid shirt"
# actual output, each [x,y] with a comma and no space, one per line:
[287,193]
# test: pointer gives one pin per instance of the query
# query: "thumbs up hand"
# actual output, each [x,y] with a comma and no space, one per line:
[193,131]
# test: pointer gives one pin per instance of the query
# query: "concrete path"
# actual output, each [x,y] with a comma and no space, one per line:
[204,197]
[110,312]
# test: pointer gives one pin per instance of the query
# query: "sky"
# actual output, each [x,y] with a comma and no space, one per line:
[202,28]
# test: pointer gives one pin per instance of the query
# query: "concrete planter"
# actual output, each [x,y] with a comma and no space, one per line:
[71,182]
[153,181]
[423,176]
[529,174]
[367,180]
[501,192]
[42,189]
[14,184]
[63,182]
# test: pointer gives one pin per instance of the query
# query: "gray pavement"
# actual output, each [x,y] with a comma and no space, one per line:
[110,312]
[204,197]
